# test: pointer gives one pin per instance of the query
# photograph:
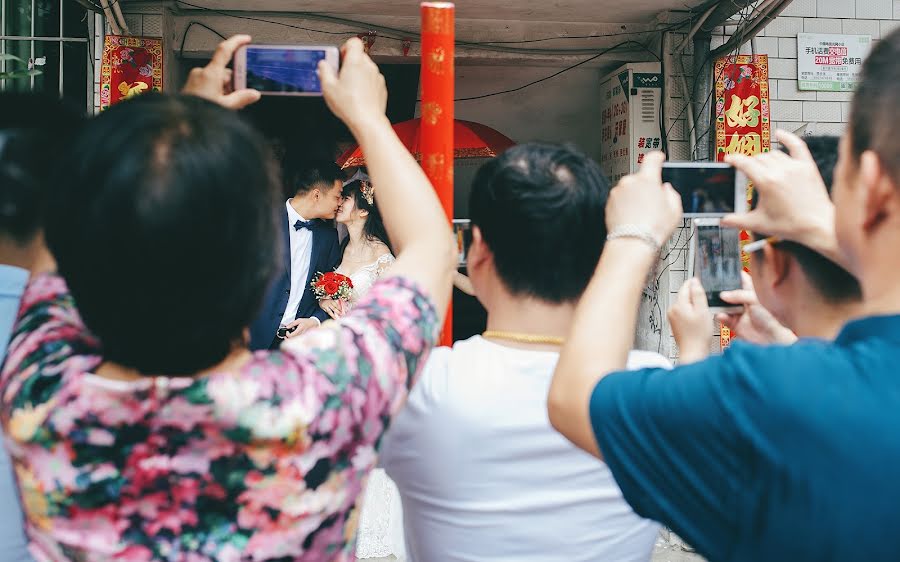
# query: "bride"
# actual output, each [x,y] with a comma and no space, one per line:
[366,256]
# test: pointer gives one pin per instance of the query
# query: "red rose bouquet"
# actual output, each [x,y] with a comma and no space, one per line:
[332,285]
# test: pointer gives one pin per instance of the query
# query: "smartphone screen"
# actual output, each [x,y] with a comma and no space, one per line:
[706,190]
[284,70]
[718,261]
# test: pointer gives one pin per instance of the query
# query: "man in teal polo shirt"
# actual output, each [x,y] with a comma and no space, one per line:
[764,453]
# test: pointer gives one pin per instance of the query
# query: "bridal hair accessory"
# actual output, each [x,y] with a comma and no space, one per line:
[368,191]
[365,186]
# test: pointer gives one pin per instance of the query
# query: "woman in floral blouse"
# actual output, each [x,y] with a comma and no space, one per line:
[150,432]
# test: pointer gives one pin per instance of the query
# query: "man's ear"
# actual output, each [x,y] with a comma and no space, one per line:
[879,191]
[479,254]
[778,262]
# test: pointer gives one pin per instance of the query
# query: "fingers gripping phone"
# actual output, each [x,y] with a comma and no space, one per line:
[717,260]
[707,189]
[282,70]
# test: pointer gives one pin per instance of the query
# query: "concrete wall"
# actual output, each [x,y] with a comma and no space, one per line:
[564,109]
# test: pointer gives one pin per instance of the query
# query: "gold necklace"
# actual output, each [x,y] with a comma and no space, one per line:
[519,337]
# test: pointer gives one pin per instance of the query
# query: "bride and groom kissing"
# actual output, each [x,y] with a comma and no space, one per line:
[310,246]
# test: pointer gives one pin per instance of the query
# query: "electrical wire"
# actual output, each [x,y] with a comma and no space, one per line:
[471,98]
[188,28]
[555,74]
[568,37]
[743,19]
[404,35]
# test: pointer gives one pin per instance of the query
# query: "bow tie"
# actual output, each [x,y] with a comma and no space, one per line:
[308,225]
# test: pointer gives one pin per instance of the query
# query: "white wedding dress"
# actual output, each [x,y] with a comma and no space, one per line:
[380,532]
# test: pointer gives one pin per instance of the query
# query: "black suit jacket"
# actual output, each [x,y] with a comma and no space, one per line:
[324,256]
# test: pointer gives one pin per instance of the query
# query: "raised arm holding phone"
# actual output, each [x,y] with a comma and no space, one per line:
[762,453]
[177,230]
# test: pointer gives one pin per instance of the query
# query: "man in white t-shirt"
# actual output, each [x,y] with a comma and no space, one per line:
[481,473]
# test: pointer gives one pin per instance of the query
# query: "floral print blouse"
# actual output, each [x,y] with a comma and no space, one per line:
[262,463]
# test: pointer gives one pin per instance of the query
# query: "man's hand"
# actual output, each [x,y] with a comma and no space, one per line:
[213,81]
[691,322]
[642,200]
[301,326]
[358,94]
[793,200]
[753,323]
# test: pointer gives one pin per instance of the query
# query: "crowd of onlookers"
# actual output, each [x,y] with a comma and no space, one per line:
[163,399]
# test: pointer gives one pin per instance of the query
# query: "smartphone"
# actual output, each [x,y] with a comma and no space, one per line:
[707,189]
[283,331]
[717,259]
[282,70]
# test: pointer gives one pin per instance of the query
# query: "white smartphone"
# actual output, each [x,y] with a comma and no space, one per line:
[707,189]
[282,70]
[716,260]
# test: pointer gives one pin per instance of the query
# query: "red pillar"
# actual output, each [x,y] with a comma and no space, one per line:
[437,110]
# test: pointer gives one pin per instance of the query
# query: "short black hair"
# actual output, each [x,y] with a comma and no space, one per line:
[167,241]
[541,210]
[34,130]
[303,174]
[833,282]
[875,109]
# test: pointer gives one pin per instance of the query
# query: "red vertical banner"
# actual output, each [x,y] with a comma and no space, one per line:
[742,119]
[437,110]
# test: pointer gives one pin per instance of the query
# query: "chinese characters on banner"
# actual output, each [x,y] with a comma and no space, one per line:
[742,117]
[438,40]
[130,67]
[830,62]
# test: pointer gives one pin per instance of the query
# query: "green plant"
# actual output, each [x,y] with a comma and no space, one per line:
[18,72]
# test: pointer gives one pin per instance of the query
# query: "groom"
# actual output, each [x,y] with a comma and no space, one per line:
[309,246]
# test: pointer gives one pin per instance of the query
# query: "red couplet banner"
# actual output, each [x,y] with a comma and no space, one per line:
[438,35]
[742,118]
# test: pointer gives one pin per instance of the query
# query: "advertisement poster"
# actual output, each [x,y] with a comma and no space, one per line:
[830,63]
[130,67]
[614,127]
[742,117]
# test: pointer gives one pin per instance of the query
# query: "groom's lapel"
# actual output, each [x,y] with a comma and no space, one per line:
[286,243]
[318,239]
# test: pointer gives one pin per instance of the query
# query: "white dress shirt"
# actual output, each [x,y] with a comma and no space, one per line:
[301,254]
[484,477]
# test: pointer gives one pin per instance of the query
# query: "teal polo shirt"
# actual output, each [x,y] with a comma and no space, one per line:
[766,453]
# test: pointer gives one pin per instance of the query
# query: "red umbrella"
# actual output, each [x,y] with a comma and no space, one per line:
[470,140]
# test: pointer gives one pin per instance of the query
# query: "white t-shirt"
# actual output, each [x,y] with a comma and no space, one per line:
[483,475]
[301,254]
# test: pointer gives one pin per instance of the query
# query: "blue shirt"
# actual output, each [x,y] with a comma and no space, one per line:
[777,453]
[12,538]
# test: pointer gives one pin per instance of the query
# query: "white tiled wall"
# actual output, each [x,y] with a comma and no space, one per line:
[818,112]
[812,113]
